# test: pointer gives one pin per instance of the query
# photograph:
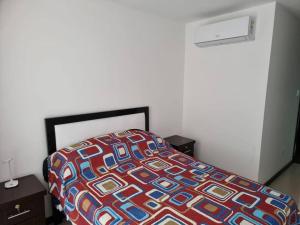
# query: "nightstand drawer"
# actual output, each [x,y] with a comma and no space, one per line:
[34,221]
[24,204]
[187,148]
[19,211]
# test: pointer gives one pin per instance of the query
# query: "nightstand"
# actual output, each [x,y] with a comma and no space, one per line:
[182,144]
[24,204]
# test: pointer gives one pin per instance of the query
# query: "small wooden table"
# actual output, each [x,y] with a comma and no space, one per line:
[182,144]
[24,204]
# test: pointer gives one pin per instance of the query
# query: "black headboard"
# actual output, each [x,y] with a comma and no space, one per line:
[51,122]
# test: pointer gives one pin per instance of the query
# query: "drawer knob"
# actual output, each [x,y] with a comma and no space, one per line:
[18,207]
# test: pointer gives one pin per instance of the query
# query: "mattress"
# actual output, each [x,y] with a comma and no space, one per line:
[135,177]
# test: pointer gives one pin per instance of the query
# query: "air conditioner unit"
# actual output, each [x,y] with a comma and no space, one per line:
[225,32]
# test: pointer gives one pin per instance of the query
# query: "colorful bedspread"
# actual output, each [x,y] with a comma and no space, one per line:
[135,177]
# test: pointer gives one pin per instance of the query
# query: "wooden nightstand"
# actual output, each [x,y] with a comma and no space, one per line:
[23,205]
[182,144]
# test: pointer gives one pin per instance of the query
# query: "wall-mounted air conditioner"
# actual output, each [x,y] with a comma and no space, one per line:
[225,32]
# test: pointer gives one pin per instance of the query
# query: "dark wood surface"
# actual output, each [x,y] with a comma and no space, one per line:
[24,204]
[177,140]
[182,144]
[28,185]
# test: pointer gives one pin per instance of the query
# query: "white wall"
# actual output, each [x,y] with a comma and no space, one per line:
[61,57]
[224,95]
[281,101]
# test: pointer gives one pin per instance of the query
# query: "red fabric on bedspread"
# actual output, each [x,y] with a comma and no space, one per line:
[134,177]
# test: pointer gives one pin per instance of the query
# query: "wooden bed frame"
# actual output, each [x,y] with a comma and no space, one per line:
[50,123]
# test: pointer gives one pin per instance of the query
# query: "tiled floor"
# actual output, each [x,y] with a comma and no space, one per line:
[289,182]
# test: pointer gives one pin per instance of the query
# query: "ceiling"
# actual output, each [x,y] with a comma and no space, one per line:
[188,10]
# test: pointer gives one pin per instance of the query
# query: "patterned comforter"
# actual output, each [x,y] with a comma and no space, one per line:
[135,177]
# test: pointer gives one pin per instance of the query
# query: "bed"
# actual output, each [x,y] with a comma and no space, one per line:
[135,177]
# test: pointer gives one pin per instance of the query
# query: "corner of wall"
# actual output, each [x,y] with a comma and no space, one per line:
[275,4]
[224,94]
[280,103]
